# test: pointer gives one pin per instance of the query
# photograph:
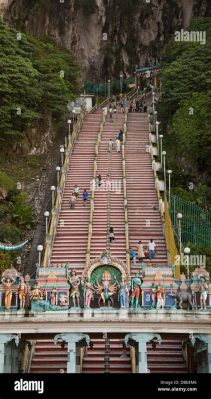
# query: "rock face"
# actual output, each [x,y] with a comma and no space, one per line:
[136,29]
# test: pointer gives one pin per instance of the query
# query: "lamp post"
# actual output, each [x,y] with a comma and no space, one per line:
[109,88]
[153,102]
[179,218]
[161,149]
[46,214]
[164,169]
[157,133]
[58,174]
[154,121]
[169,171]
[69,126]
[187,252]
[53,189]
[40,249]
[62,154]
[121,82]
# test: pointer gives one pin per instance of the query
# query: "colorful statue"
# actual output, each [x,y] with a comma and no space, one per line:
[136,290]
[63,300]
[22,292]
[74,288]
[8,293]
[53,297]
[153,296]
[106,289]
[203,293]
[88,293]
[36,294]
[123,293]
[160,297]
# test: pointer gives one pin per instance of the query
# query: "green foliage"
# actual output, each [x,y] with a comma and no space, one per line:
[7,259]
[6,182]
[36,78]
[10,233]
[22,213]
[185,111]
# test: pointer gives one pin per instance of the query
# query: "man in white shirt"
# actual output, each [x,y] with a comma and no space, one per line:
[151,248]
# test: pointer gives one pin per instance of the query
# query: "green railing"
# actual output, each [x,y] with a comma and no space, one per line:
[195,222]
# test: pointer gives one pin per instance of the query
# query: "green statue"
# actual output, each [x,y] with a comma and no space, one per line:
[136,290]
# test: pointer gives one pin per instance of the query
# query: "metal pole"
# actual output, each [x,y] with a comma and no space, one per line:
[188,269]
[169,190]
[39,259]
[164,169]
[157,135]
[161,151]
[52,198]
[46,225]
[180,240]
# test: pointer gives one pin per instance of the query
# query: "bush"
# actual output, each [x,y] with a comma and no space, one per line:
[9,232]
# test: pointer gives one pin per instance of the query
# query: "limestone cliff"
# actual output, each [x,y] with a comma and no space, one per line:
[136,30]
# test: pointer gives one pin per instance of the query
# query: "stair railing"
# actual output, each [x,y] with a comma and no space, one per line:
[164,212]
[97,145]
[60,189]
[125,194]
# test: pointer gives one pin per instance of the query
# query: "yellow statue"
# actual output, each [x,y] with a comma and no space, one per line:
[8,293]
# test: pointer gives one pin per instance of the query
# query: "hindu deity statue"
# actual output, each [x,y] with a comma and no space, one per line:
[123,293]
[160,297]
[203,287]
[36,293]
[136,291]
[8,293]
[88,292]
[22,289]
[53,297]
[105,288]
[74,288]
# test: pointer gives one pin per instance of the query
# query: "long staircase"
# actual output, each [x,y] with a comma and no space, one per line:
[70,243]
[143,211]
[109,205]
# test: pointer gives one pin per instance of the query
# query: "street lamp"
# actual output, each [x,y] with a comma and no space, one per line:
[53,189]
[62,154]
[161,149]
[153,102]
[58,174]
[109,88]
[154,120]
[46,214]
[187,252]
[164,168]
[157,133]
[179,218]
[69,126]
[40,249]
[169,171]
[121,82]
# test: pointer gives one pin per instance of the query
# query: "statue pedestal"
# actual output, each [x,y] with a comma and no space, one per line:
[123,313]
[74,311]
[20,312]
[88,313]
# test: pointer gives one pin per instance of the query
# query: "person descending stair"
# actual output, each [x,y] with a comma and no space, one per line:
[111,234]
[85,197]
[110,145]
[76,191]
[73,201]
[151,248]
[118,145]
